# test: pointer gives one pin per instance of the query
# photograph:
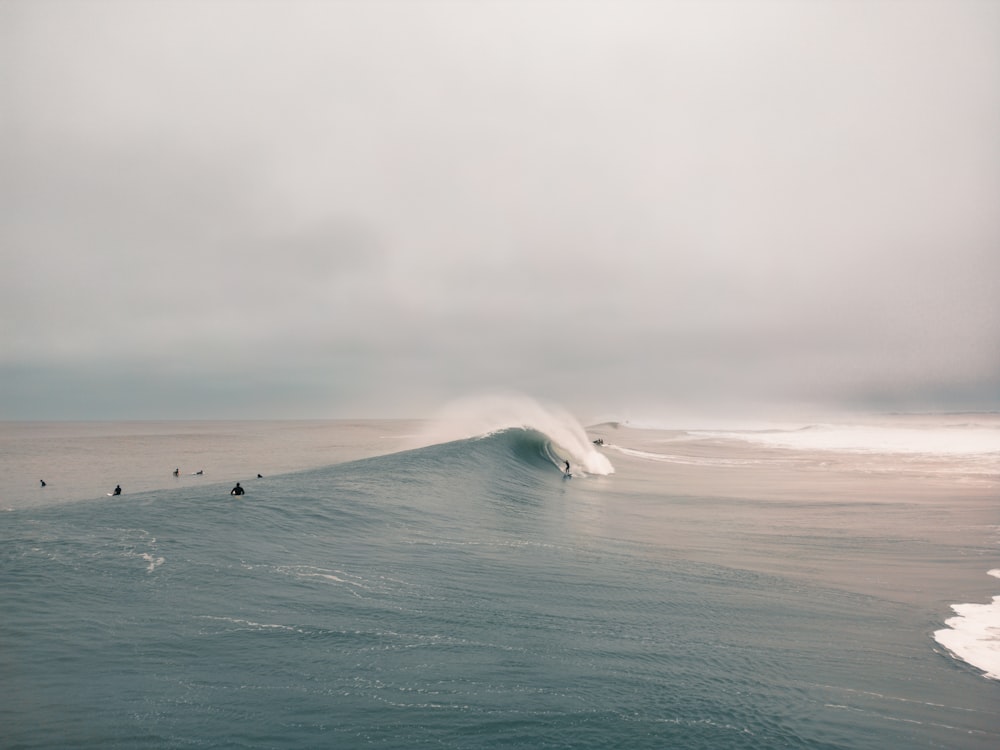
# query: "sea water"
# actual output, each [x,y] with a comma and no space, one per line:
[400,585]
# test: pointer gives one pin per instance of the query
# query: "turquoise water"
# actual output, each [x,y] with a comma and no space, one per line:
[466,595]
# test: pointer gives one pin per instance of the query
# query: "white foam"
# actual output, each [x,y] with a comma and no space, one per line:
[973,635]
[154,562]
[253,624]
[483,415]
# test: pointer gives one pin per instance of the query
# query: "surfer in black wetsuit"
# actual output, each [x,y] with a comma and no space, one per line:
[177,472]
[42,481]
[118,490]
[237,490]
[566,470]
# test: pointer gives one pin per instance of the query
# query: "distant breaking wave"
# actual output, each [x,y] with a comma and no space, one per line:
[940,440]
[566,440]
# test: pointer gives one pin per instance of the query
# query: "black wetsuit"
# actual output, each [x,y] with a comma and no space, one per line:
[237,490]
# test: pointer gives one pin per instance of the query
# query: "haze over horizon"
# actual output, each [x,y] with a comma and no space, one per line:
[369,209]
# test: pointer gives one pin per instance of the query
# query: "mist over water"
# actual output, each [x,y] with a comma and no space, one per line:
[675,204]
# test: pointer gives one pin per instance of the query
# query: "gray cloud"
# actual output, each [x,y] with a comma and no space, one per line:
[364,208]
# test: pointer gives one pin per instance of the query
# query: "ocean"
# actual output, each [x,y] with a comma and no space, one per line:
[443,584]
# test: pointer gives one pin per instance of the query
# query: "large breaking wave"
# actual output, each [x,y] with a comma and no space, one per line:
[565,437]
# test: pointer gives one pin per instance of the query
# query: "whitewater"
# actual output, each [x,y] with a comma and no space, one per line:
[440,583]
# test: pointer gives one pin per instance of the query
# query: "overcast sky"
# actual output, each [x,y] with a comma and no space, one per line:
[367,208]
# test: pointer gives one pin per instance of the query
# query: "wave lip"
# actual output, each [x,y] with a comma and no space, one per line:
[973,635]
[487,415]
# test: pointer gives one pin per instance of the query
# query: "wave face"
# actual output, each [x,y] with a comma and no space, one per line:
[510,459]
[462,594]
